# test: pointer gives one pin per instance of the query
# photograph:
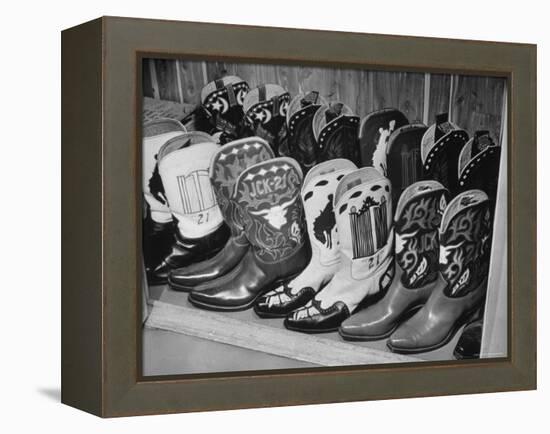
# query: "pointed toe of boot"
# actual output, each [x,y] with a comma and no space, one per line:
[404,340]
[367,325]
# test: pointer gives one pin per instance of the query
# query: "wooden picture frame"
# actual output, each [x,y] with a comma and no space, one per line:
[102,295]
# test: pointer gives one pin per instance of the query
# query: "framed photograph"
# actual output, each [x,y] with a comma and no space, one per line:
[260,217]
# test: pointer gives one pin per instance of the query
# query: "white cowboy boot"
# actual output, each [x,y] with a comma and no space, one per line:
[317,193]
[157,226]
[362,205]
[200,233]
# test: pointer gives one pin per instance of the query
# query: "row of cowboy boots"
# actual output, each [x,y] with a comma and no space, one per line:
[349,216]
[259,198]
[312,130]
[306,128]
[183,223]
[442,255]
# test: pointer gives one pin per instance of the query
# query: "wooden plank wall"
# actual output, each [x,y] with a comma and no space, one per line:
[474,102]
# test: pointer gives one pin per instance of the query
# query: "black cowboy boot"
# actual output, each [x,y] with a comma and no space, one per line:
[441,147]
[265,109]
[404,161]
[479,165]
[464,253]
[417,221]
[301,144]
[336,130]
[268,196]
[374,134]
[221,111]
[227,164]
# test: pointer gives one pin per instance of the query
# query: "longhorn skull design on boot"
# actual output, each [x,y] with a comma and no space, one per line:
[464,253]
[363,210]
[199,232]
[227,164]
[441,146]
[318,192]
[417,221]
[268,199]
[157,226]
[336,130]
[265,109]
[301,144]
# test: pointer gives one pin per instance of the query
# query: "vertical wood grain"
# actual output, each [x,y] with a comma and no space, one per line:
[400,90]
[440,85]
[477,103]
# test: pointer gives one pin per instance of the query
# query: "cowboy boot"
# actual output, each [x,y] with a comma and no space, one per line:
[362,204]
[268,197]
[374,134]
[265,109]
[417,221]
[157,225]
[226,165]
[440,149]
[317,196]
[301,144]
[336,130]
[478,165]
[221,111]
[464,251]
[199,232]
[403,158]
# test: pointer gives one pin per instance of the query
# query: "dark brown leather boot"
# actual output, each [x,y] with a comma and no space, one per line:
[301,144]
[374,133]
[465,245]
[336,130]
[441,147]
[265,109]
[268,197]
[417,221]
[403,159]
[227,164]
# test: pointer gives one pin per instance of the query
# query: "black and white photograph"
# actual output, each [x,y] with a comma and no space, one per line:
[310,216]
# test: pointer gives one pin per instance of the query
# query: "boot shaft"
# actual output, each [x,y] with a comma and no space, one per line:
[155,134]
[417,221]
[364,220]
[222,101]
[465,243]
[318,192]
[268,196]
[301,144]
[404,163]
[441,146]
[479,165]
[265,109]
[336,130]
[227,164]
[184,163]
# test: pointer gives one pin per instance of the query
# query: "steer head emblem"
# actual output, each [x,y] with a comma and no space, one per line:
[276,215]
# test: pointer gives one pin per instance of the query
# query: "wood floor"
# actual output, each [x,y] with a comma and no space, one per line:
[181,339]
